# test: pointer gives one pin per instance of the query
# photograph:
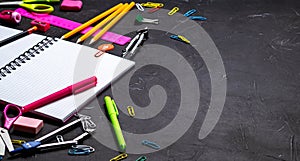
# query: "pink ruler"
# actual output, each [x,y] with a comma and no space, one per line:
[70,25]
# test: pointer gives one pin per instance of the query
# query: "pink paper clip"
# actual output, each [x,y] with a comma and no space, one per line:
[152,10]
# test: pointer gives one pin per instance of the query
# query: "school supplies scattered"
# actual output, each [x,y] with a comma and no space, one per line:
[142,158]
[140,18]
[28,125]
[117,10]
[18,36]
[152,5]
[33,5]
[141,36]
[119,157]
[173,11]
[71,25]
[190,12]
[180,38]
[38,143]
[112,23]
[106,47]
[10,16]
[113,114]
[5,142]
[150,144]
[130,110]
[71,5]
[81,150]
[43,65]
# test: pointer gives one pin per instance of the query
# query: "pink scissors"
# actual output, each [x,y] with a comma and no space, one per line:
[17,111]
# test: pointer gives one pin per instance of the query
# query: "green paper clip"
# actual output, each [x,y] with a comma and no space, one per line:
[119,157]
[142,158]
[130,110]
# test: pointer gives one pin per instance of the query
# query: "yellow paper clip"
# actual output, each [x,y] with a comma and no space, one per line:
[184,39]
[119,157]
[173,11]
[130,110]
[152,5]
[18,142]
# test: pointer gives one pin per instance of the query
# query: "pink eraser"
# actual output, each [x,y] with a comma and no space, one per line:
[28,125]
[71,5]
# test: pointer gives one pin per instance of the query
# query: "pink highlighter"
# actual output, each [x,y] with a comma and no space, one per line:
[71,5]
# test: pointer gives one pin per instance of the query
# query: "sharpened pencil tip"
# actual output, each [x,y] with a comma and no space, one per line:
[92,41]
[63,37]
[78,41]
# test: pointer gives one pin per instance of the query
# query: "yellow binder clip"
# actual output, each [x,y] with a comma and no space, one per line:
[119,157]
[130,111]
[152,5]
[173,11]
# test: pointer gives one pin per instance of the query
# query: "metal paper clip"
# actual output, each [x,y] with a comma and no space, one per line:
[140,18]
[142,158]
[173,11]
[151,144]
[190,12]
[81,150]
[87,123]
[18,142]
[180,38]
[198,18]
[130,110]
[59,138]
[152,5]
[119,157]
[139,7]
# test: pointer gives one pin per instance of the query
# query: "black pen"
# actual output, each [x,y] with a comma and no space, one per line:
[17,36]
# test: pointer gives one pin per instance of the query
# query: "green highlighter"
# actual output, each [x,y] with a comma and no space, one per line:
[113,113]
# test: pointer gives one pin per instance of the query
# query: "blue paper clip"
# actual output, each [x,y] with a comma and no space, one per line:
[180,38]
[151,144]
[142,158]
[81,150]
[198,18]
[190,12]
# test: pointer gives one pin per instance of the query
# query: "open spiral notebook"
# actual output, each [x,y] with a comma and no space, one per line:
[36,66]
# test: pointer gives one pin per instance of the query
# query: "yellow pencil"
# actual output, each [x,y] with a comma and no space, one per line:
[88,23]
[114,21]
[107,19]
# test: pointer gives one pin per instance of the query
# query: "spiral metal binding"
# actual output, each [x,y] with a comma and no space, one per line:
[26,56]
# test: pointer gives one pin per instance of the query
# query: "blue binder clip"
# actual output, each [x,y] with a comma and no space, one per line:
[200,18]
[190,12]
